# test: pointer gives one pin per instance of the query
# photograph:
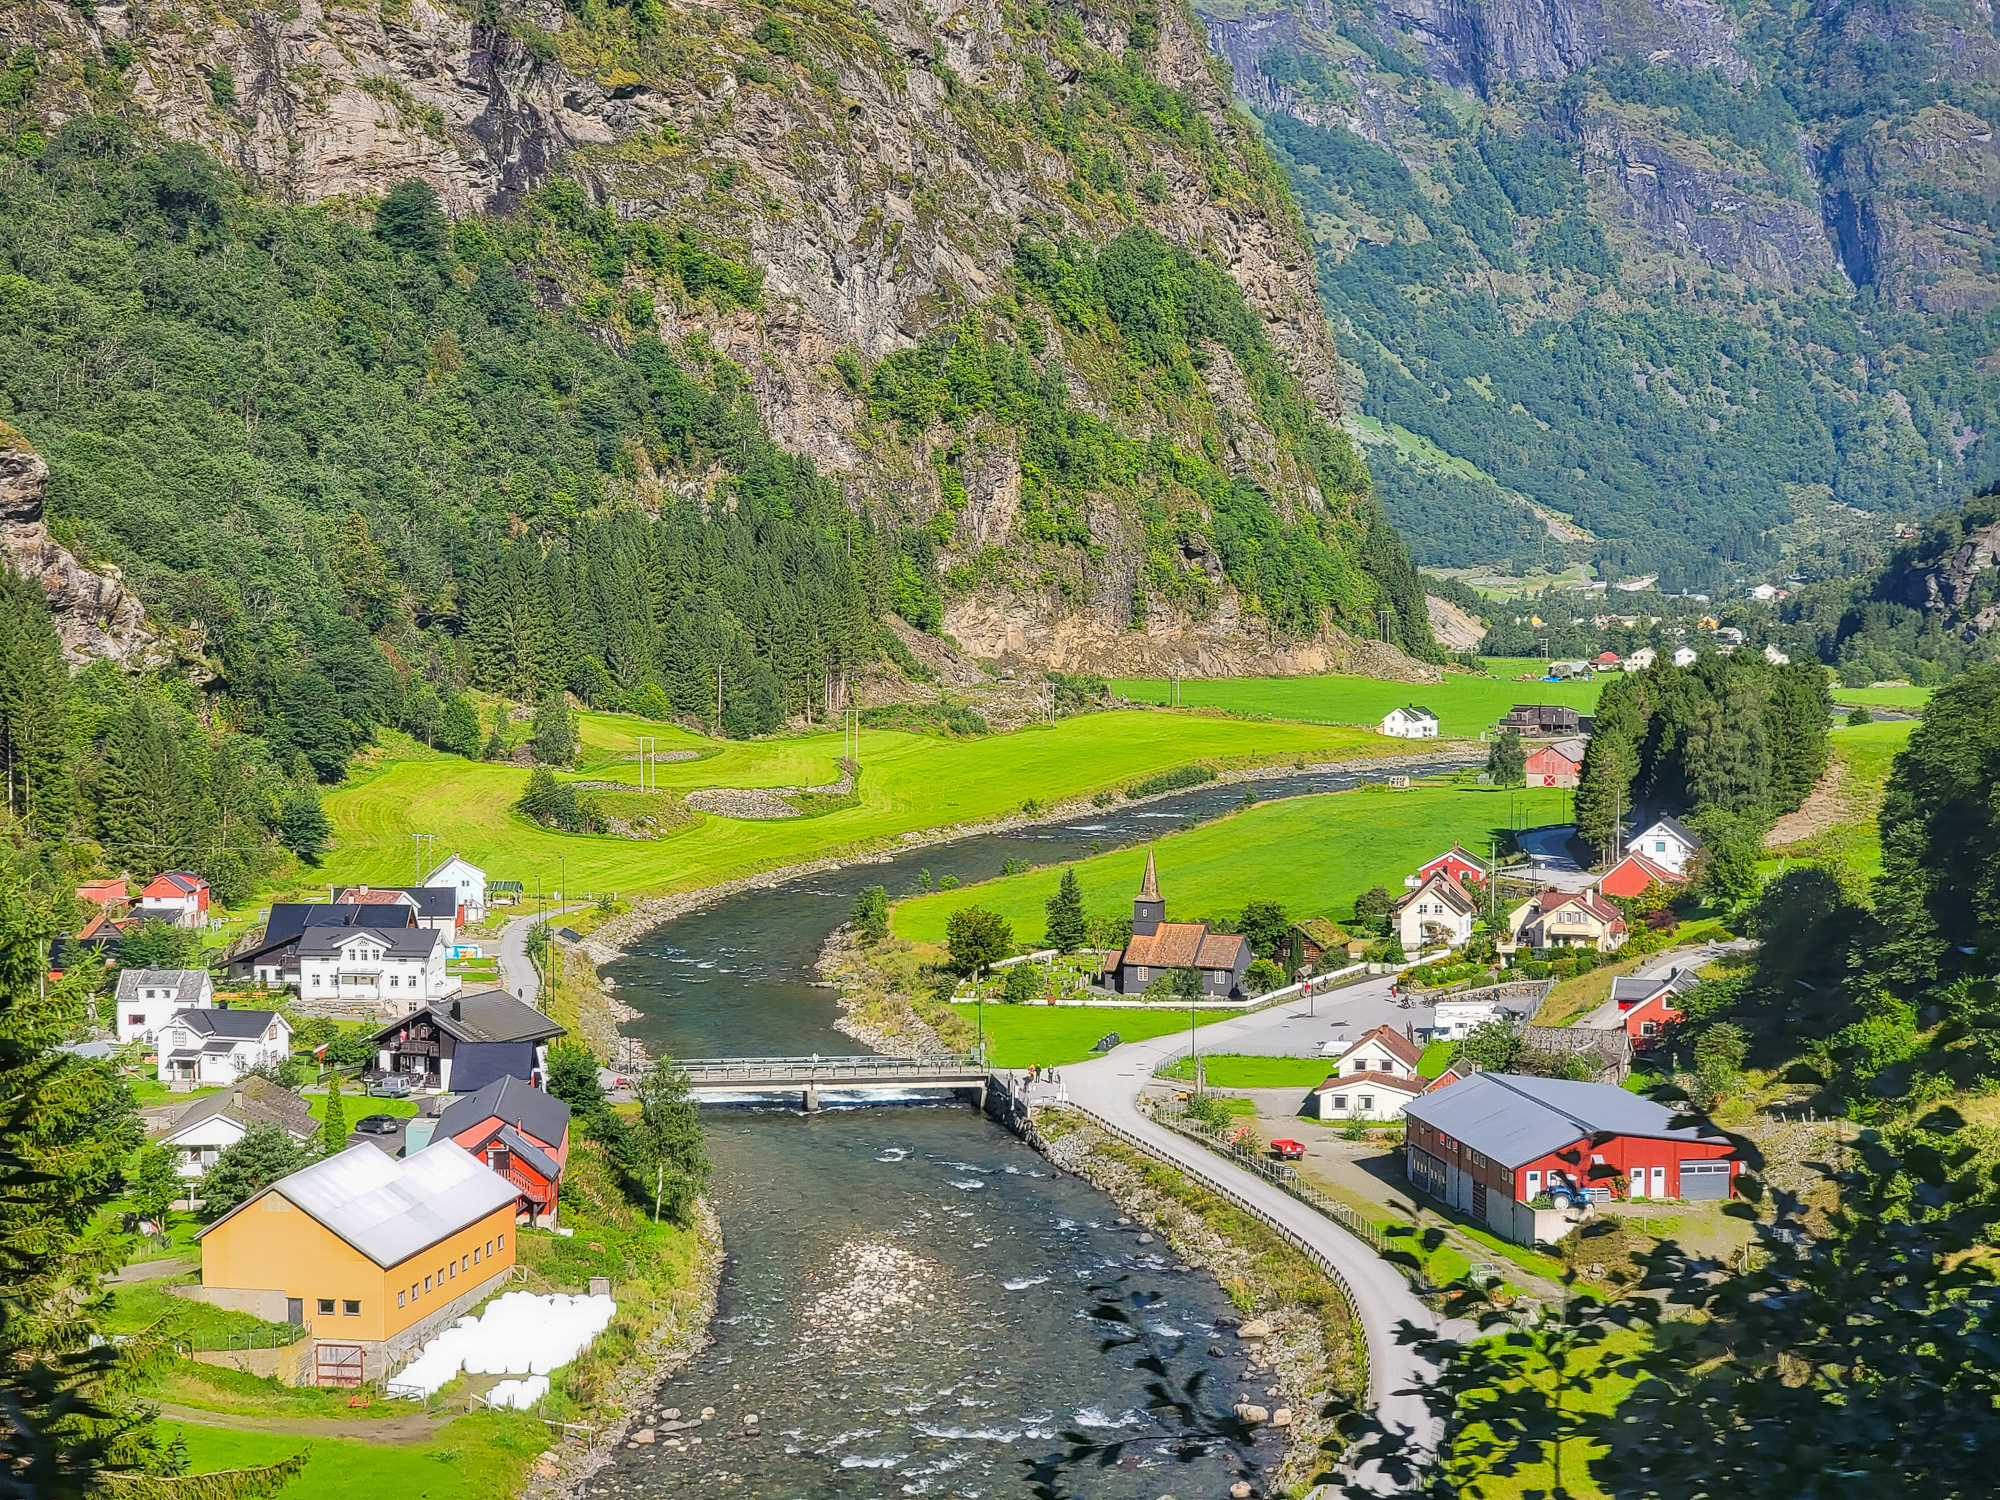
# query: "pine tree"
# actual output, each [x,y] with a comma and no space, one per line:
[554,735]
[1728,751]
[303,825]
[36,751]
[1068,928]
[333,1129]
[1610,765]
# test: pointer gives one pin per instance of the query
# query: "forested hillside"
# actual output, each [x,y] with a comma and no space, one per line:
[1007,326]
[1714,288]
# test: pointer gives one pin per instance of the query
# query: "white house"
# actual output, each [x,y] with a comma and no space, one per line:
[1413,722]
[220,1045]
[1776,657]
[1438,911]
[1641,659]
[396,969]
[463,876]
[1684,656]
[1668,842]
[146,998]
[1373,1080]
[208,1127]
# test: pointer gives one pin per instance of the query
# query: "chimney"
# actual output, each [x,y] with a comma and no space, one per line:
[456,1013]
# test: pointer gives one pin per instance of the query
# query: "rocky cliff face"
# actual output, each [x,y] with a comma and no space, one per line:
[97,618]
[875,162]
[1670,169]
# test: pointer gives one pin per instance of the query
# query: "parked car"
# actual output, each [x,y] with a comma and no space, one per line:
[378,1125]
[392,1086]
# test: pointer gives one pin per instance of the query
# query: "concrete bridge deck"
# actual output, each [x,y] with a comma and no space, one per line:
[715,1080]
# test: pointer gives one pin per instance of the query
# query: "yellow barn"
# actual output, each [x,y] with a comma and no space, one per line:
[370,1253]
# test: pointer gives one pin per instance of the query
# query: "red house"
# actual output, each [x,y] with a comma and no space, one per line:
[521,1133]
[1493,1144]
[106,895]
[1646,1008]
[1560,764]
[1458,862]
[177,898]
[1632,874]
[1607,661]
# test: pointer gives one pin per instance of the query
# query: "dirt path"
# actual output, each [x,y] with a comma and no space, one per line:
[1828,803]
[417,1427]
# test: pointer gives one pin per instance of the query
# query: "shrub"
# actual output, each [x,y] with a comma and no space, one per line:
[1171,781]
[1262,977]
[1024,983]
[1859,714]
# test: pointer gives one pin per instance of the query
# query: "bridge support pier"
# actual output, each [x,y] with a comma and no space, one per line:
[811,1098]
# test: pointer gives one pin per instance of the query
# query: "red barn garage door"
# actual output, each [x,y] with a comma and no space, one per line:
[1704,1179]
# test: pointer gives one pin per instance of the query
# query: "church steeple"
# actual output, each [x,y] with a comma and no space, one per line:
[1148,911]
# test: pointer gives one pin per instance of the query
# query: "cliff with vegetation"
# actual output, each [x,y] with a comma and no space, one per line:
[1681,288]
[1016,283]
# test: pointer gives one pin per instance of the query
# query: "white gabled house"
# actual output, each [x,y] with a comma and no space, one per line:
[208,1127]
[219,1045]
[1372,1080]
[147,998]
[1412,722]
[396,969]
[1667,842]
[466,878]
[1439,911]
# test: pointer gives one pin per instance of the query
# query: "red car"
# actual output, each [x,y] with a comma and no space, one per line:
[1288,1150]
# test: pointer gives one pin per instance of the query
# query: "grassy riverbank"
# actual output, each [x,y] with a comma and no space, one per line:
[1465,705]
[1312,855]
[911,783]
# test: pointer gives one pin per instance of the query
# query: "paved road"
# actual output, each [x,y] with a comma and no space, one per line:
[1548,849]
[517,970]
[1106,1087]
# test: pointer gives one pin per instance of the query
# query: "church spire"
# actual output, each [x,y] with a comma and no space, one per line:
[1149,889]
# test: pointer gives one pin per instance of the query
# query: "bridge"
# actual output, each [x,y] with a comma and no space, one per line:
[715,1080]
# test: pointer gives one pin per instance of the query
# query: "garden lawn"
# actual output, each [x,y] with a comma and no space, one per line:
[1464,704]
[1886,697]
[909,783]
[1312,855]
[1022,1036]
[1235,1070]
[480,1457]
[140,1305]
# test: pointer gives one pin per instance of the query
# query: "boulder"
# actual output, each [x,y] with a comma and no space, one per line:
[1251,1413]
[1240,1490]
[1282,1417]
[1256,1328]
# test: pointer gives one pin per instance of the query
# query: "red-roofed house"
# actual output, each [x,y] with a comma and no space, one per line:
[107,895]
[177,898]
[1383,1050]
[1363,1096]
[1461,1068]
[1159,947]
[1646,1008]
[1460,863]
[1438,911]
[1632,874]
[1564,919]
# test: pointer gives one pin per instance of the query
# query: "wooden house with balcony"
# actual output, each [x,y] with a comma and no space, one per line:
[521,1133]
[460,1045]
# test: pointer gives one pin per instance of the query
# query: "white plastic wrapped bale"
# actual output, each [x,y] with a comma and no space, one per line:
[518,1395]
[520,1333]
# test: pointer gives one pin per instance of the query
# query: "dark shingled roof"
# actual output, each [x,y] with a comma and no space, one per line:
[485,1016]
[513,1100]
[239,1025]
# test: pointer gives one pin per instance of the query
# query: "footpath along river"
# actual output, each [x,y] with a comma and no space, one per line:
[905,1304]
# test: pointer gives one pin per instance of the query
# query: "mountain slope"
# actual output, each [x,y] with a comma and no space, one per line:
[1684,276]
[971,268]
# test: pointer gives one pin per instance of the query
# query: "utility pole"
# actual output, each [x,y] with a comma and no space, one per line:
[718,695]
[659,1182]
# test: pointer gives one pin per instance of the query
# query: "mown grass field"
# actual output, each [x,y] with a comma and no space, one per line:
[1464,704]
[909,783]
[1866,754]
[1886,697]
[1236,1070]
[1025,1036]
[1312,855]
[480,1457]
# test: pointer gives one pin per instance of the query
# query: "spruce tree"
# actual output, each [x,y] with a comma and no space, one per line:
[36,753]
[1068,928]
[554,735]
[333,1129]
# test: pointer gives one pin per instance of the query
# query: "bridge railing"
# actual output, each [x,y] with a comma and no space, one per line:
[724,1069]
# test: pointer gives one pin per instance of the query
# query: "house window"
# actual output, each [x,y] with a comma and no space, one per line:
[1649,1028]
[326,1307]
[135,1020]
[399,1299]
[465,1263]
[1367,1101]
[489,1247]
[351,1307]
[503,1239]
[475,1255]
[1340,1101]
[427,1283]
[452,1270]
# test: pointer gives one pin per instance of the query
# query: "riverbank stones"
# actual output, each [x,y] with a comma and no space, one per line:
[1240,1490]
[1282,1417]
[1251,1413]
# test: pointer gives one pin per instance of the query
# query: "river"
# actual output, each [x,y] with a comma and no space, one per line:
[906,1301]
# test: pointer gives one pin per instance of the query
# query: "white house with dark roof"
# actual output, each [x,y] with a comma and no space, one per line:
[1411,722]
[1668,842]
[460,1045]
[208,1127]
[147,998]
[397,970]
[468,880]
[219,1045]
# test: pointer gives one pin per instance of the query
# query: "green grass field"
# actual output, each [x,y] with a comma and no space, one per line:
[1022,1036]
[1464,704]
[909,783]
[1866,753]
[480,1457]
[1887,697]
[1236,1070]
[1312,855]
